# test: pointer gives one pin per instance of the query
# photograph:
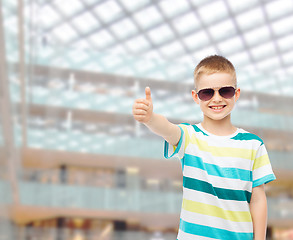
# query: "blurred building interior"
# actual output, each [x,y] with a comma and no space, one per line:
[74,164]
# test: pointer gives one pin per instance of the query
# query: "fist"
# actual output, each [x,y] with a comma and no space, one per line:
[142,109]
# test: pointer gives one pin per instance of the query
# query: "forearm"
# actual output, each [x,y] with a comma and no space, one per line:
[258,210]
[162,127]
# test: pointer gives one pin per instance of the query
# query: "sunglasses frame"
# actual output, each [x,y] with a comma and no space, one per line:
[216,89]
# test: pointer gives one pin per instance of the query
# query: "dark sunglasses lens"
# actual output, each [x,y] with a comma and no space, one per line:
[227,92]
[205,94]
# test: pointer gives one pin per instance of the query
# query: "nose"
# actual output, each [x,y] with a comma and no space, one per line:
[217,97]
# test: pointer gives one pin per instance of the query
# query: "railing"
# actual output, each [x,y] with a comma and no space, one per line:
[123,105]
[75,141]
[70,196]
[114,199]
[49,233]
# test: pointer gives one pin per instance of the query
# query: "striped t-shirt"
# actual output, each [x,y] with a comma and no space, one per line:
[219,173]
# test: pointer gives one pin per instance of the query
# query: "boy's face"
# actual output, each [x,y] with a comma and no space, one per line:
[218,107]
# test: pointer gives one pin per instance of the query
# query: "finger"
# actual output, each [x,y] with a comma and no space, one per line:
[142,100]
[148,94]
[139,118]
[141,106]
[139,112]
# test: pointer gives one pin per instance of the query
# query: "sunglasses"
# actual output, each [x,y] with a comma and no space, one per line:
[207,93]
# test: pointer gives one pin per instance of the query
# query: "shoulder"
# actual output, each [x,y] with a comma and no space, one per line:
[244,135]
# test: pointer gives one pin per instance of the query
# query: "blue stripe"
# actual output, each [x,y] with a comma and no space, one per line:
[247,136]
[221,193]
[264,180]
[197,129]
[217,233]
[234,173]
[166,147]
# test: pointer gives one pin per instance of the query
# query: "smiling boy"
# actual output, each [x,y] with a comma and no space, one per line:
[224,167]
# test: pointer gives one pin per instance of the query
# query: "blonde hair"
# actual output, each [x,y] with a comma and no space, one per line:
[214,64]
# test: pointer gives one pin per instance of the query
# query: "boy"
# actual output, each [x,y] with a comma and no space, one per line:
[224,167]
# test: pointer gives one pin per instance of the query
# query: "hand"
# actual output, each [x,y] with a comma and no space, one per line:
[142,109]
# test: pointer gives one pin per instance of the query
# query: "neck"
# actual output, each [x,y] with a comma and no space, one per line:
[221,127]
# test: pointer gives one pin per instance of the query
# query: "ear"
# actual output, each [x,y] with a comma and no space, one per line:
[194,96]
[237,94]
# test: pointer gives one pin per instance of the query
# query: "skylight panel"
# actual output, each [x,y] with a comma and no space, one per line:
[263,50]
[174,48]
[153,54]
[257,36]
[269,63]
[137,44]
[85,22]
[197,3]
[175,72]
[101,39]
[264,82]
[238,6]
[239,59]
[124,28]
[175,8]
[143,65]
[186,23]
[133,5]
[250,19]
[160,34]
[231,45]
[212,12]
[64,32]
[68,7]
[112,60]
[78,55]
[48,16]
[288,58]
[197,40]
[118,49]
[285,43]
[82,44]
[108,11]
[204,53]
[223,30]
[91,1]
[148,17]
[283,26]
[278,8]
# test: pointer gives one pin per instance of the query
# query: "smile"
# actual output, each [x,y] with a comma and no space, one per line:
[217,107]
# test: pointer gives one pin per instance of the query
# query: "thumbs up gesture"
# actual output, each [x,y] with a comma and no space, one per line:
[142,109]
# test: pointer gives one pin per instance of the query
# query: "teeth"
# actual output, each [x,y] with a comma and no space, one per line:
[217,107]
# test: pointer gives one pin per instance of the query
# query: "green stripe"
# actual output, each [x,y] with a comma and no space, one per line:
[247,136]
[221,193]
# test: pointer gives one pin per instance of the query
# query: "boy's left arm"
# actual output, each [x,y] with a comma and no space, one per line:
[258,210]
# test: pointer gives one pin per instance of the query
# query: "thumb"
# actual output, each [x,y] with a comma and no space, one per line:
[148,94]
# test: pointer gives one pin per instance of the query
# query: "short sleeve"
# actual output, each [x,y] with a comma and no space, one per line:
[177,151]
[262,170]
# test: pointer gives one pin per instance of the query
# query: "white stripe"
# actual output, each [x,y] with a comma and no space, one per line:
[215,222]
[218,142]
[202,197]
[221,182]
[261,172]
[261,151]
[187,236]
[207,157]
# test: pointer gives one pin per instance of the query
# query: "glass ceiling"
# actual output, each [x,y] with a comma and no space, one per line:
[165,39]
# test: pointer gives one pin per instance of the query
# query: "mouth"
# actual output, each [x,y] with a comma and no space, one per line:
[217,108]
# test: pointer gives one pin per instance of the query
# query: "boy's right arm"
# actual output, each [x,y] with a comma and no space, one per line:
[143,112]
